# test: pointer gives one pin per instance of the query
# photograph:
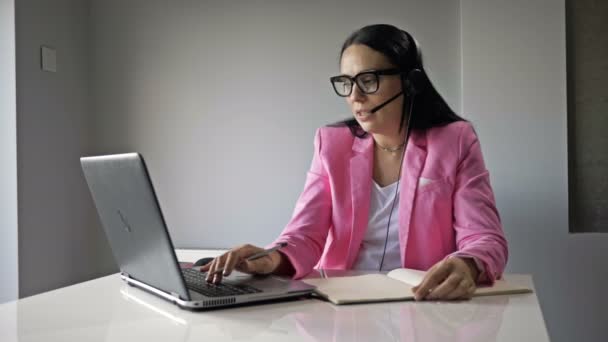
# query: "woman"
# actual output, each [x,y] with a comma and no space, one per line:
[402,184]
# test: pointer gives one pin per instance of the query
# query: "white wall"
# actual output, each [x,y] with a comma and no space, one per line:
[514,90]
[223,98]
[8,156]
[59,243]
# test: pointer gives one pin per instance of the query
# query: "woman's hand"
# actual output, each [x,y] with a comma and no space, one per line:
[236,258]
[451,278]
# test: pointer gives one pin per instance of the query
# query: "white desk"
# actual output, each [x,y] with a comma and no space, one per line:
[106,309]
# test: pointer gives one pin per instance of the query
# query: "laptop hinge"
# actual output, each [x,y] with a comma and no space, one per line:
[173,294]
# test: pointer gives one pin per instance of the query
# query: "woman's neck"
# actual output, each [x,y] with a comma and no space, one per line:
[389,141]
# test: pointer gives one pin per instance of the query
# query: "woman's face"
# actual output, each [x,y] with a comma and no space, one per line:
[358,58]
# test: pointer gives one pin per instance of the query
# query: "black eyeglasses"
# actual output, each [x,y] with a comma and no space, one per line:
[367,81]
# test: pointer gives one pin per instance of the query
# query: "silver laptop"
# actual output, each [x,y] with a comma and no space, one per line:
[131,216]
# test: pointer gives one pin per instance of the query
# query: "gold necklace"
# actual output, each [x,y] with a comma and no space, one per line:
[391,149]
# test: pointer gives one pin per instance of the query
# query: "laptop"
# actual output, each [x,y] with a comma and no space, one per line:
[132,219]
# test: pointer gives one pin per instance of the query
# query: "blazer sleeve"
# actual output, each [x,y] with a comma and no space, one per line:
[308,228]
[477,223]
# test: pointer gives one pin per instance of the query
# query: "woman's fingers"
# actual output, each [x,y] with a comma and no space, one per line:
[445,289]
[464,290]
[217,263]
[224,264]
[432,279]
[449,279]
[231,261]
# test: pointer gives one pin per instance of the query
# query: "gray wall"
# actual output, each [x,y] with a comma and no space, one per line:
[223,98]
[59,243]
[8,155]
[514,89]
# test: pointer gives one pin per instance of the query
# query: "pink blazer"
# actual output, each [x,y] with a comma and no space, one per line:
[446,203]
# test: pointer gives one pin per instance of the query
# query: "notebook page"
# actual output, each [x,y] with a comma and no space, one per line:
[360,289]
[407,275]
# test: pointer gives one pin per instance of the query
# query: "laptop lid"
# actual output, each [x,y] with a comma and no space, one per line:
[131,216]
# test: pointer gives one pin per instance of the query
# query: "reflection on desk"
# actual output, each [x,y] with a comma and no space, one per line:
[106,309]
[437,321]
[411,321]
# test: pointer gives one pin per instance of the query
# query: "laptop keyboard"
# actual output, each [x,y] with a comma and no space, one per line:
[195,281]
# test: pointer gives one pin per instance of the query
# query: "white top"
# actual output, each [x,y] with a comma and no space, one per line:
[372,247]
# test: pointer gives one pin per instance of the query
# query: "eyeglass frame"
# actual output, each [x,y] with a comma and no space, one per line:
[353,79]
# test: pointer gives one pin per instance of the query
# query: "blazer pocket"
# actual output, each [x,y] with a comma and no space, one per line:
[427,184]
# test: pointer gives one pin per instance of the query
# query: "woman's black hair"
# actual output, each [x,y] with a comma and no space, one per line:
[429,109]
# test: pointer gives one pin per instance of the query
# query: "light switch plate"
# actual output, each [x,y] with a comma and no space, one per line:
[48,58]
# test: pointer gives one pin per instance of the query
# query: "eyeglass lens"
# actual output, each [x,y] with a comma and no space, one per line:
[367,83]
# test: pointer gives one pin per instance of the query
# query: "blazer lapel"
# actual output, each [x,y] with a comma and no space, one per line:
[361,169]
[413,162]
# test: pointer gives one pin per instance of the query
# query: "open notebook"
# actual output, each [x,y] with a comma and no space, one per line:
[396,285]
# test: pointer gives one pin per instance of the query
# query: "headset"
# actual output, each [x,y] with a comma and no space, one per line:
[414,83]
[416,80]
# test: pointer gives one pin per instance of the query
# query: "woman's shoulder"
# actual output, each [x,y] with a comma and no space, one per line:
[335,138]
[336,132]
[454,134]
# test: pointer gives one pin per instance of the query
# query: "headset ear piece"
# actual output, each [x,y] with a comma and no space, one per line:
[415,82]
